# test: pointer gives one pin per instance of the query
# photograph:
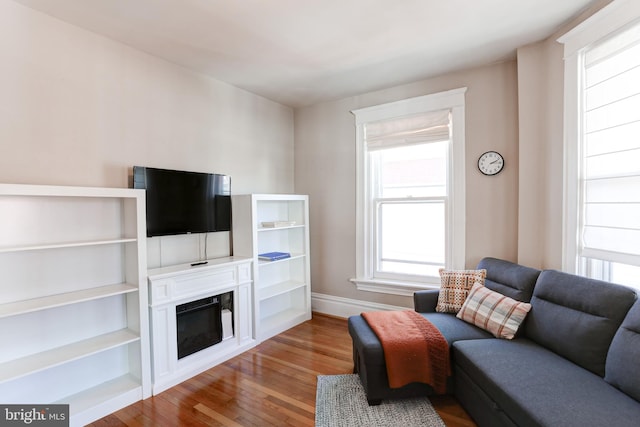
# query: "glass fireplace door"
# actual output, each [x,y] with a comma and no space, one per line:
[199,325]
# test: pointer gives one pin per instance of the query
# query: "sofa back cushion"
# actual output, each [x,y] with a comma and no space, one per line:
[577,317]
[622,369]
[513,280]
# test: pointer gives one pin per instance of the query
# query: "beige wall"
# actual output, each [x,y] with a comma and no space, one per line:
[540,90]
[541,135]
[80,109]
[325,169]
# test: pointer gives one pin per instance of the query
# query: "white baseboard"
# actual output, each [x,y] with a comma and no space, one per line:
[345,307]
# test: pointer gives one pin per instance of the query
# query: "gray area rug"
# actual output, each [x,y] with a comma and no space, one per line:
[341,402]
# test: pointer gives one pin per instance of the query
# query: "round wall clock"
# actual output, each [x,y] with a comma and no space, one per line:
[491,163]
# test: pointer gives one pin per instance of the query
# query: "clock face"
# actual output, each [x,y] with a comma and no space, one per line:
[491,163]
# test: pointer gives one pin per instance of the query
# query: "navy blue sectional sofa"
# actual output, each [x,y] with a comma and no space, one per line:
[574,362]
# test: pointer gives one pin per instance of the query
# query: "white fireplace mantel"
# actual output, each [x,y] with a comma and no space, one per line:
[175,285]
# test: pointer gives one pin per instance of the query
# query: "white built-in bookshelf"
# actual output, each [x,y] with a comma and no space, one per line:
[73,299]
[282,287]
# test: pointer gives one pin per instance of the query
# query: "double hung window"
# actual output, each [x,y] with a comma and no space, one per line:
[410,191]
[602,234]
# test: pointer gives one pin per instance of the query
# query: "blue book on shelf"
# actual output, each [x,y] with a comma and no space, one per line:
[273,256]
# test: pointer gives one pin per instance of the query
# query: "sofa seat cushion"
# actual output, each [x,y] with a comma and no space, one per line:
[370,349]
[577,317]
[534,386]
[454,329]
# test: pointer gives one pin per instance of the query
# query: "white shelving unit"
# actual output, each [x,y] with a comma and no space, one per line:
[282,287]
[73,299]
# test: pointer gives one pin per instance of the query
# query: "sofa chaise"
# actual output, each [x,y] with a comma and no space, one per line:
[575,361]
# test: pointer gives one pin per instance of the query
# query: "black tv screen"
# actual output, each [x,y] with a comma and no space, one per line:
[180,202]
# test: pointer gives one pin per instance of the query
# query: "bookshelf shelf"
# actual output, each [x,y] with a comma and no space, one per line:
[47,359]
[58,300]
[65,245]
[279,289]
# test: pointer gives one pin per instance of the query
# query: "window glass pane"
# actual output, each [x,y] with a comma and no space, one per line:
[616,272]
[412,238]
[413,171]
[409,269]
[625,274]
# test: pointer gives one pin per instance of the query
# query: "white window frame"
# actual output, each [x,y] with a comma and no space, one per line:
[453,100]
[608,20]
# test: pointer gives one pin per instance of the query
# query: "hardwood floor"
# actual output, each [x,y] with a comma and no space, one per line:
[273,384]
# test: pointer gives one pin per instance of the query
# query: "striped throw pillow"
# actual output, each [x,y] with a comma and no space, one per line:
[493,312]
[455,286]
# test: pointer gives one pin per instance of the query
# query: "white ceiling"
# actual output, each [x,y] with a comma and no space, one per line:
[300,52]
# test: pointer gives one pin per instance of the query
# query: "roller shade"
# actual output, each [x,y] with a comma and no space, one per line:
[611,150]
[416,129]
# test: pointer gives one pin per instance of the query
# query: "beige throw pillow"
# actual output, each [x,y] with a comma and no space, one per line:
[493,312]
[455,286]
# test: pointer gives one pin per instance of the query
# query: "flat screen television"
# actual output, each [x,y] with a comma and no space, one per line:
[181,202]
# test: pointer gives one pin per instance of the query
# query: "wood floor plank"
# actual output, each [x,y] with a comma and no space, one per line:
[216,416]
[285,398]
[273,384]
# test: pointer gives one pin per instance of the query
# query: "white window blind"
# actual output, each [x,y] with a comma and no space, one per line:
[610,217]
[416,129]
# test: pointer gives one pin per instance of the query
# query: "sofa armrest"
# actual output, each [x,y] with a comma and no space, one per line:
[425,301]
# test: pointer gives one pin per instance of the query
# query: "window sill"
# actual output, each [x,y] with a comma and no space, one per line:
[392,287]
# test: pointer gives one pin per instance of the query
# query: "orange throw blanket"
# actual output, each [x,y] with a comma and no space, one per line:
[414,349]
